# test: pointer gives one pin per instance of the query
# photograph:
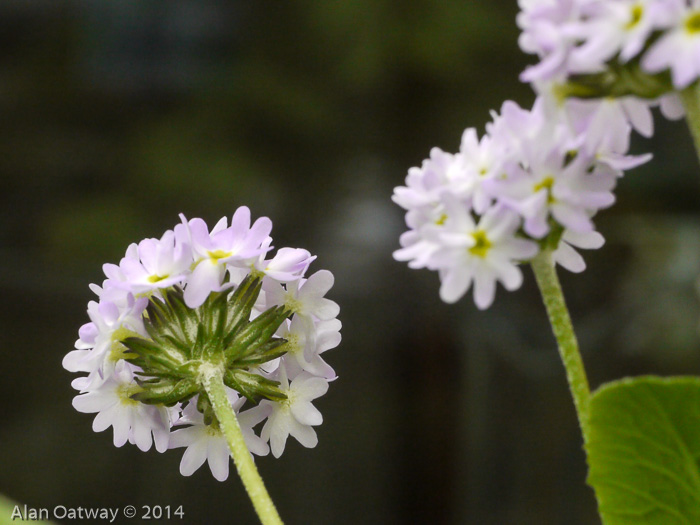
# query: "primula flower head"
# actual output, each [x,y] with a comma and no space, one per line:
[600,48]
[178,307]
[535,179]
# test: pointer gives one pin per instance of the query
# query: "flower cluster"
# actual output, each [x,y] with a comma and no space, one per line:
[644,47]
[536,178]
[197,298]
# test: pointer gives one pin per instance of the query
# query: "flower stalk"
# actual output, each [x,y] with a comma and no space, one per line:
[212,381]
[559,318]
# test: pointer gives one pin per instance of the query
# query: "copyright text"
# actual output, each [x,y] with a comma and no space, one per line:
[108,514]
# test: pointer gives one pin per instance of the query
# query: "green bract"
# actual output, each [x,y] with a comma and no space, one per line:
[184,342]
[644,451]
[619,80]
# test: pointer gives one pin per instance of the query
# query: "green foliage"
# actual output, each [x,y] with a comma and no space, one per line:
[219,332]
[618,81]
[644,450]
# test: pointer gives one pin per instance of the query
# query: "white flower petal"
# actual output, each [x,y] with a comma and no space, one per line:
[455,283]
[569,258]
[141,434]
[484,290]
[92,402]
[306,414]
[218,457]
[103,420]
[194,457]
[307,387]
[303,434]
[325,309]
[317,285]
[277,428]
[205,278]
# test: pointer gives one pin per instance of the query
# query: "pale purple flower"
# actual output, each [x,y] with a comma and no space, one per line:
[304,352]
[482,253]
[157,263]
[419,246]
[614,27]
[603,127]
[552,184]
[515,127]
[131,420]
[678,49]
[547,32]
[99,347]
[482,160]
[208,443]
[239,245]
[295,415]
[288,264]
[566,256]
[424,185]
[201,262]
[305,297]
[573,37]
[605,123]
[422,195]
[557,163]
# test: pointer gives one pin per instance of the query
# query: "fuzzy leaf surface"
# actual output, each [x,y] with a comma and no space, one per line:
[644,451]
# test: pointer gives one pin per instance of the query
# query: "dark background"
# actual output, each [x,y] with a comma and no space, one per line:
[117,116]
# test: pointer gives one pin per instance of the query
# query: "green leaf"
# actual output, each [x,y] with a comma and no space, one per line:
[644,451]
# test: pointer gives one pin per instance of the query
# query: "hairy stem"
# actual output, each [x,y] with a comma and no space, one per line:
[691,102]
[248,472]
[559,318]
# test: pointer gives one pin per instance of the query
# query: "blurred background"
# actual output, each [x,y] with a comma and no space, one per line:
[117,116]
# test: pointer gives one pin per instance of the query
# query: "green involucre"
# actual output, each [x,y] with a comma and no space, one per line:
[219,333]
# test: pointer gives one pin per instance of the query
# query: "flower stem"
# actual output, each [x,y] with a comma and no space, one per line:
[248,472]
[691,102]
[559,318]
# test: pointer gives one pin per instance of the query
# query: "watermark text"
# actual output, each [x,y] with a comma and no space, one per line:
[108,514]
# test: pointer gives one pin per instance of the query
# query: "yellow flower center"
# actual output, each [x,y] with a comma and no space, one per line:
[292,304]
[482,244]
[635,16]
[219,254]
[156,278]
[126,391]
[117,350]
[692,22]
[287,403]
[545,184]
[293,344]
